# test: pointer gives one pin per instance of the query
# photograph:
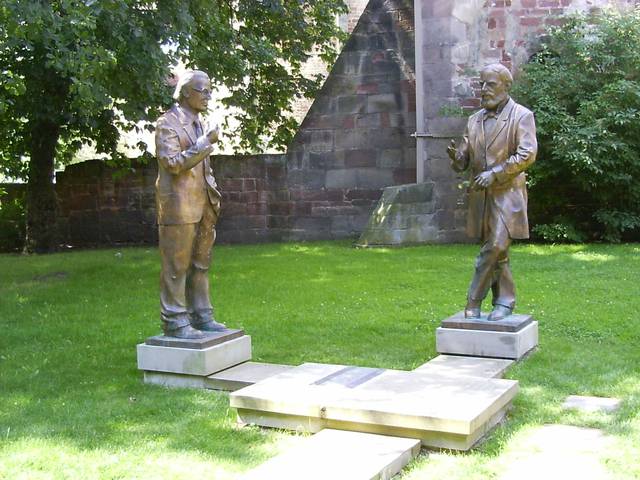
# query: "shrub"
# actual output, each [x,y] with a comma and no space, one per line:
[584,88]
[12,221]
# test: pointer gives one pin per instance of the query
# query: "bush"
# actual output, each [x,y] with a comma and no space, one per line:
[12,221]
[584,88]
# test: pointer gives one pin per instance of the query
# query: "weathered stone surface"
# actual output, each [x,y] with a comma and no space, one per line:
[404,214]
[591,404]
[340,455]
[194,362]
[443,411]
[174,380]
[479,343]
[471,366]
[243,375]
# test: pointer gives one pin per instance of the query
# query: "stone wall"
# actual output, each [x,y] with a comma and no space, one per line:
[459,37]
[356,138]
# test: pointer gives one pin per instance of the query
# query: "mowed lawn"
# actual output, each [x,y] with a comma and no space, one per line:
[73,405]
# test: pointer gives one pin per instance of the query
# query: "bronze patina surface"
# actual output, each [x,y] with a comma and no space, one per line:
[213,338]
[188,204]
[499,144]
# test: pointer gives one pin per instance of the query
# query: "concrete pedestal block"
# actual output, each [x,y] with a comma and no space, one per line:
[486,343]
[190,361]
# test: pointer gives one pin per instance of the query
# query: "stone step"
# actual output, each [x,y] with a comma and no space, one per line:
[442,411]
[471,366]
[243,375]
[340,455]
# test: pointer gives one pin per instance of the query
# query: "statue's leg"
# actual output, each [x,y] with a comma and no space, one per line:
[494,249]
[176,243]
[503,287]
[198,296]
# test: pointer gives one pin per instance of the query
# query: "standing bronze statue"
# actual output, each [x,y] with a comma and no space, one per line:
[188,204]
[498,146]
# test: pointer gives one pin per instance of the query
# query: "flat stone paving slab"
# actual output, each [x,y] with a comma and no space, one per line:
[340,455]
[512,323]
[243,375]
[442,410]
[558,452]
[471,366]
[592,404]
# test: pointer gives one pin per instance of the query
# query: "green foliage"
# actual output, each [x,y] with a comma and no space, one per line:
[91,69]
[12,222]
[584,87]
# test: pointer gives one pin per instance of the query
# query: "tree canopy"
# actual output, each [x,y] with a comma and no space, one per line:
[75,72]
[584,87]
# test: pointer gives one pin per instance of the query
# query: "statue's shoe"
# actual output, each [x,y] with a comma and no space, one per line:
[472,312]
[210,326]
[186,332]
[499,312]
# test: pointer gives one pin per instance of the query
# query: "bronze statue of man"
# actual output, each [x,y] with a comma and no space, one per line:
[188,204]
[499,144]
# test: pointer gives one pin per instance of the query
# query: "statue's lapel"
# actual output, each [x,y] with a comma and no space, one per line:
[501,122]
[187,124]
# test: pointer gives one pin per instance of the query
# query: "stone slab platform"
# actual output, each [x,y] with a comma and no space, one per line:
[470,366]
[243,375]
[591,404]
[212,338]
[482,343]
[512,323]
[440,410]
[189,361]
[340,455]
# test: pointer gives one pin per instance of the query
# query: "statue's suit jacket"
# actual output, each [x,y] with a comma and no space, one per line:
[182,192]
[508,151]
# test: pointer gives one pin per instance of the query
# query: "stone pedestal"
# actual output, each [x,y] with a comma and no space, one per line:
[510,338]
[176,362]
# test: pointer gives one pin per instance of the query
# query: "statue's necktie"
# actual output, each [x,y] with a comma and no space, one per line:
[198,128]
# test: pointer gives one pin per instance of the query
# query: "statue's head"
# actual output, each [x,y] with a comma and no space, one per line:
[495,81]
[193,90]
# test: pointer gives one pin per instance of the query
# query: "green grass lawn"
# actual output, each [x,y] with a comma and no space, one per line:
[73,405]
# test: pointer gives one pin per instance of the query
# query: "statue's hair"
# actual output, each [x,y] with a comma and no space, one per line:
[502,71]
[185,80]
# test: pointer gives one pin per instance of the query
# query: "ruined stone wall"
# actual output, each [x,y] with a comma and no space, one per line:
[356,138]
[459,38]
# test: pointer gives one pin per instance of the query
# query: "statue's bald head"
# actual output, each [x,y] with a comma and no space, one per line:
[503,73]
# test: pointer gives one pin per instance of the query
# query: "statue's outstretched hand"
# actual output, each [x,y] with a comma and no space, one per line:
[452,151]
[213,134]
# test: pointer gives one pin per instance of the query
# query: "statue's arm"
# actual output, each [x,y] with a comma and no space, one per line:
[459,155]
[171,157]
[527,148]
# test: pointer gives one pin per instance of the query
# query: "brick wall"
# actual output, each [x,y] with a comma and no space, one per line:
[354,141]
[459,38]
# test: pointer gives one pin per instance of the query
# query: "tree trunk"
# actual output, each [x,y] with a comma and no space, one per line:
[41,202]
